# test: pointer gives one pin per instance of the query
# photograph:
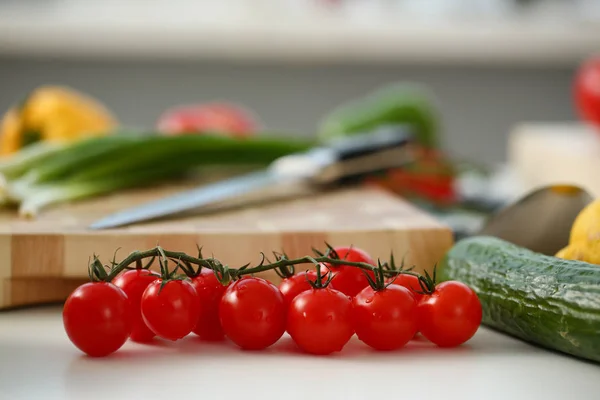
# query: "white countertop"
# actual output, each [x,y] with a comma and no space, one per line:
[38,362]
[298,31]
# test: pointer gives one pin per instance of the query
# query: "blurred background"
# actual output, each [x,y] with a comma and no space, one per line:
[108,100]
[491,64]
[499,76]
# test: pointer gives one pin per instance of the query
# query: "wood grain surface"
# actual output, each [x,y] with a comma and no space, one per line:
[42,260]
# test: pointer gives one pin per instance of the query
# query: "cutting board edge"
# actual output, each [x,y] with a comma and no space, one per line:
[60,255]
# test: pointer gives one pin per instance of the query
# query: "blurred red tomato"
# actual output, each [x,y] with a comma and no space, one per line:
[222,118]
[587,90]
[430,177]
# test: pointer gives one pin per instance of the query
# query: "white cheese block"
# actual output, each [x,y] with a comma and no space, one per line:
[542,154]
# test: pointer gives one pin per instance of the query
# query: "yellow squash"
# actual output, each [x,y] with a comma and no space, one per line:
[53,113]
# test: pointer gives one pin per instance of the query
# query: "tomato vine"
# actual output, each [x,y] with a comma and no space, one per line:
[191,266]
[379,301]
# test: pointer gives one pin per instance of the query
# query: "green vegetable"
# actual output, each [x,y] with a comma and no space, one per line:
[403,103]
[94,158]
[104,164]
[43,196]
[195,150]
[82,154]
[36,153]
[541,299]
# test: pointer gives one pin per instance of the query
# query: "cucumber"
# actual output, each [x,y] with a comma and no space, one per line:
[540,299]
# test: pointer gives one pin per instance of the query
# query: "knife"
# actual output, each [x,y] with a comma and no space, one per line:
[343,161]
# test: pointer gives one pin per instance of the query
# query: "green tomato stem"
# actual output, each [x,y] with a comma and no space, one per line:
[225,273]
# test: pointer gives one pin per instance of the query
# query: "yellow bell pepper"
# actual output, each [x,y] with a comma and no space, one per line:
[53,113]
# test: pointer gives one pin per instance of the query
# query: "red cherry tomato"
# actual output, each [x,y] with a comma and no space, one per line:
[252,313]
[320,321]
[134,283]
[587,90]
[451,315]
[210,291]
[97,318]
[385,319]
[171,312]
[222,118]
[410,282]
[296,284]
[347,279]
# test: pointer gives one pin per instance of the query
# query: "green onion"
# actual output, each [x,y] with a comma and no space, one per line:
[40,197]
[36,154]
[77,156]
[102,165]
[198,150]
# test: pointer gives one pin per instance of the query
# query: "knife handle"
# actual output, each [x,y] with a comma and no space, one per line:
[362,155]
[360,145]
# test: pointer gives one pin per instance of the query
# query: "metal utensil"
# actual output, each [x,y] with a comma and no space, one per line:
[541,220]
[343,161]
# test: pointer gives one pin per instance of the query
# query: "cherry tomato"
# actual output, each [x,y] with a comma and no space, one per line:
[320,320]
[253,313]
[347,279]
[97,318]
[385,319]
[587,90]
[134,283]
[410,282]
[172,311]
[210,291]
[451,315]
[215,117]
[296,284]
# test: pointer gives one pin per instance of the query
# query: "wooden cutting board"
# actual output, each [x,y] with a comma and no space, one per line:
[43,260]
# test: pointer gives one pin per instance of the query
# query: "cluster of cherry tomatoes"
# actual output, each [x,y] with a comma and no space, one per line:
[320,317]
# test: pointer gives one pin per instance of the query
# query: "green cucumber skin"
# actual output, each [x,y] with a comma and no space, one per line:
[544,300]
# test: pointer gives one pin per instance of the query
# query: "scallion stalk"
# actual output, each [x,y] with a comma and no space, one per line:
[37,153]
[102,165]
[40,197]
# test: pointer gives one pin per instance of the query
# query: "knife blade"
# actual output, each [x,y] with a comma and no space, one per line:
[342,162]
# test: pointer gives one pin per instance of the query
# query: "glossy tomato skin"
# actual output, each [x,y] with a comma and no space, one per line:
[296,284]
[451,315]
[133,283]
[97,318]
[171,312]
[587,90]
[410,282]
[385,319]
[347,279]
[253,313]
[320,321]
[210,291]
